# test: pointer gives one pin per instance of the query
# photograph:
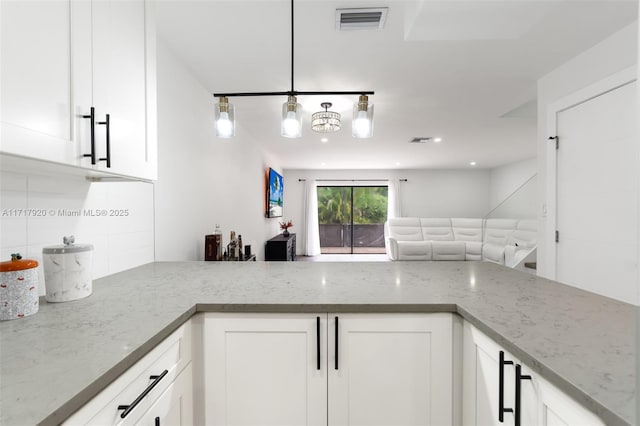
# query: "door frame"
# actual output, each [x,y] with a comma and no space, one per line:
[611,83]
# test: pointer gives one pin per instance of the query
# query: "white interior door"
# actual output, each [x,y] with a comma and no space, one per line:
[597,212]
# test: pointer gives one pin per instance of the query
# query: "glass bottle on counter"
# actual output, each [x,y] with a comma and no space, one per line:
[218,239]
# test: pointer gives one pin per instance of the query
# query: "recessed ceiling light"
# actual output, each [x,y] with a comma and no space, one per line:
[324,140]
[472,163]
[437,140]
[323,164]
[397,163]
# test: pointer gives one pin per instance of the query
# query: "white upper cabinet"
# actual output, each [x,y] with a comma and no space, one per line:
[36,73]
[63,59]
[123,68]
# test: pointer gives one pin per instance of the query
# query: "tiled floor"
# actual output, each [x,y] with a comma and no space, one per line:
[345,258]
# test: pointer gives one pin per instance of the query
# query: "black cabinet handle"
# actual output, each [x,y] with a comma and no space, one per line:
[92,117]
[157,421]
[501,409]
[519,378]
[108,128]
[128,408]
[318,343]
[336,345]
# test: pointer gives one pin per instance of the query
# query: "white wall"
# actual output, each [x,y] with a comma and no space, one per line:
[203,180]
[608,57]
[505,180]
[427,193]
[120,242]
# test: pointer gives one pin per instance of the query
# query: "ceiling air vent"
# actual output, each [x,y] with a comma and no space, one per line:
[361,19]
[421,139]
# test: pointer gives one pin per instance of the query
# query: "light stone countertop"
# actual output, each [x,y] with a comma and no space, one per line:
[53,362]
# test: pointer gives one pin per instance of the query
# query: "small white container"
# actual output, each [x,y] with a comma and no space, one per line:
[18,288]
[67,271]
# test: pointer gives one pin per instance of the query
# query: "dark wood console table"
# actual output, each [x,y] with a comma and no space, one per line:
[281,248]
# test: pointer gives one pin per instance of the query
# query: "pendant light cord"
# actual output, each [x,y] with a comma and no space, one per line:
[293,92]
[292,89]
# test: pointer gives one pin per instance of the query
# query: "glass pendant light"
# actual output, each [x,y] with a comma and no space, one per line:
[224,119]
[291,118]
[362,126]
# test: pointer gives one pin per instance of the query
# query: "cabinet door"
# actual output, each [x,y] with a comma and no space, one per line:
[175,406]
[262,369]
[124,85]
[482,383]
[481,380]
[558,409]
[390,369]
[37,108]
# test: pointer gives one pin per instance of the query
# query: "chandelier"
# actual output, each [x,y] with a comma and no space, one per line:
[291,119]
[325,121]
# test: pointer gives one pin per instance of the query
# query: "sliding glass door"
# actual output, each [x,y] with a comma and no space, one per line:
[351,219]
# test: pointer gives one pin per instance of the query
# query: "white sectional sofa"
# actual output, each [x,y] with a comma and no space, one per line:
[504,241]
[522,245]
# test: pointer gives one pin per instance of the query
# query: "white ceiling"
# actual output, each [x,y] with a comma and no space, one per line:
[465,71]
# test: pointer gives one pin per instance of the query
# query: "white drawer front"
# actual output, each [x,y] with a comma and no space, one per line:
[172,354]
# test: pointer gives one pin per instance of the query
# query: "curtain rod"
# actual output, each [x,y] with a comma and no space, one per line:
[352,180]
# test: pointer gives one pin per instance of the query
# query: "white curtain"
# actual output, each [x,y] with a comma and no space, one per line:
[311,230]
[393,199]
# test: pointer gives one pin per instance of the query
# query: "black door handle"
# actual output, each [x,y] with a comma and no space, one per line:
[128,408]
[157,421]
[318,343]
[336,345]
[519,378]
[92,117]
[501,409]
[106,122]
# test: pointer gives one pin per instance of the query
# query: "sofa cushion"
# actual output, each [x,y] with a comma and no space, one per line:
[404,229]
[469,230]
[498,231]
[525,235]
[473,250]
[436,229]
[414,250]
[522,244]
[493,253]
[448,250]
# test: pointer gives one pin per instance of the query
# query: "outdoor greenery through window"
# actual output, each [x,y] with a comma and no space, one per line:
[351,218]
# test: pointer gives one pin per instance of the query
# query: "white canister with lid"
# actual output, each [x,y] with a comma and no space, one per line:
[67,271]
[18,288]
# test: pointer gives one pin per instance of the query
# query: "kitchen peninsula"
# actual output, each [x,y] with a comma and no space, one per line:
[57,360]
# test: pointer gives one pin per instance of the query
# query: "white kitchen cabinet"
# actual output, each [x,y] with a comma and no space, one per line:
[262,369]
[150,378]
[540,403]
[289,369]
[62,58]
[558,409]
[391,369]
[175,406]
[37,107]
[124,86]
